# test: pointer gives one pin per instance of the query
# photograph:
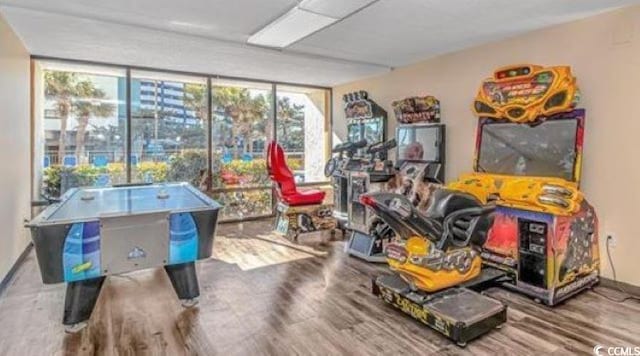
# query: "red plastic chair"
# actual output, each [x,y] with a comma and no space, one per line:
[285,182]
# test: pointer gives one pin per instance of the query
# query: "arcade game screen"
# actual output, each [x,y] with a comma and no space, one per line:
[373,130]
[354,132]
[418,143]
[545,150]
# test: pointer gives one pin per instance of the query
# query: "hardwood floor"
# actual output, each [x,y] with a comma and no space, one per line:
[261,295]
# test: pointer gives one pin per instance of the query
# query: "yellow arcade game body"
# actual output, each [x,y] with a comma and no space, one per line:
[528,160]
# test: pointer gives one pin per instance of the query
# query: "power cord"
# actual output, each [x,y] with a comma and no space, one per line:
[627,295]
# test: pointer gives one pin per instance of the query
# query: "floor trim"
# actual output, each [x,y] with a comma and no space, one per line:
[629,288]
[5,281]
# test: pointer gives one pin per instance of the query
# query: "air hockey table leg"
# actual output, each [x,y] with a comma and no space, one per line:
[185,282]
[79,302]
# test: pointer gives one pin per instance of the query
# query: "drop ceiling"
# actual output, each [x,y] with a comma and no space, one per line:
[210,36]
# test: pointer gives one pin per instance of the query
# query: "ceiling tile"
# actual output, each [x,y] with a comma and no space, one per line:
[210,35]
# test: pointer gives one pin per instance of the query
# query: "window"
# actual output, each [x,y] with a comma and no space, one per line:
[242,123]
[168,128]
[82,140]
[303,130]
[210,132]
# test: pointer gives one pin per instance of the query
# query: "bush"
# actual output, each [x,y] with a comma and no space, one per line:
[52,180]
[244,203]
[84,175]
[295,163]
[154,171]
[187,167]
[117,172]
[253,172]
[58,178]
[249,172]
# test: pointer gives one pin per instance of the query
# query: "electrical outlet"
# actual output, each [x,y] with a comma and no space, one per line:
[611,240]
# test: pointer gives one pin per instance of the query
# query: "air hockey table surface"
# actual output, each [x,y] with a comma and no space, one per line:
[82,204]
[95,232]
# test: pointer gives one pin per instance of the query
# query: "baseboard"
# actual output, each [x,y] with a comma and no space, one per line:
[629,288]
[5,281]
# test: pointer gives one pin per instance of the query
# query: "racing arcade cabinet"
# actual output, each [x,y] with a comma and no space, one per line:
[338,168]
[420,156]
[421,148]
[366,125]
[436,255]
[437,264]
[369,235]
[366,120]
[528,159]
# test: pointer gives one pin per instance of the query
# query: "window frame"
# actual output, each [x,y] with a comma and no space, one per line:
[209,124]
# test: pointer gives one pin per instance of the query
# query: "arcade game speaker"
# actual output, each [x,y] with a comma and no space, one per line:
[528,160]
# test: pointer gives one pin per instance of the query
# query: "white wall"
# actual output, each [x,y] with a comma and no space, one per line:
[604,53]
[15,157]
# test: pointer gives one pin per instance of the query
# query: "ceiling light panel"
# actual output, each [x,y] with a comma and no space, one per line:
[334,8]
[290,27]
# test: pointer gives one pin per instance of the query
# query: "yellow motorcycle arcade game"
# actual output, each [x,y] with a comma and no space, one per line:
[437,262]
[528,160]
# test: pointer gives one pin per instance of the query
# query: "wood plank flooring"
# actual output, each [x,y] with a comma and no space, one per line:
[262,295]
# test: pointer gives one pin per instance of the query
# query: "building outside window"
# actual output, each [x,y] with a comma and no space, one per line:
[168,128]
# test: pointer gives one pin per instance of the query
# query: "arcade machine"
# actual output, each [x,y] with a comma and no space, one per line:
[300,213]
[338,168]
[369,235]
[436,255]
[528,160]
[420,156]
[366,125]
[437,263]
[520,213]
[366,120]
[421,148]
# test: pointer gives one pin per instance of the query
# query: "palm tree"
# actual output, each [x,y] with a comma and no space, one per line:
[247,112]
[90,103]
[290,115]
[195,98]
[73,94]
[61,87]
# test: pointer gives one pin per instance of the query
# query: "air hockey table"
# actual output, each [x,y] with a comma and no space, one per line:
[92,233]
